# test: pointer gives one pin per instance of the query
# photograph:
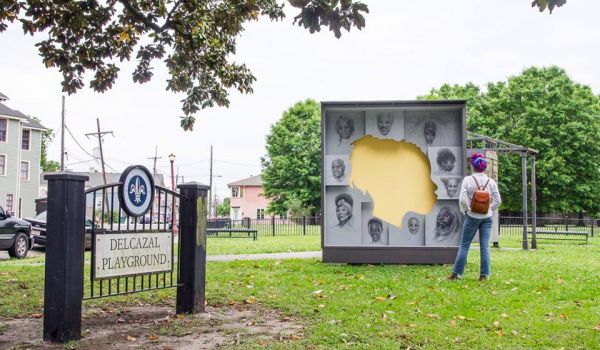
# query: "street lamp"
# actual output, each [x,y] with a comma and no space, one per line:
[174,210]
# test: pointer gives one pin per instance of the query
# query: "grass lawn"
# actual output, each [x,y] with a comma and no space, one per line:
[264,244]
[548,299]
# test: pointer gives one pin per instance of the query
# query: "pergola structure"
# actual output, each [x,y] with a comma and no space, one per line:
[480,143]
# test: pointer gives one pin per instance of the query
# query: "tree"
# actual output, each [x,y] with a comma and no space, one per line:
[47,137]
[542,108]
[195,38]
[224,208]
[549,4]
[291,168]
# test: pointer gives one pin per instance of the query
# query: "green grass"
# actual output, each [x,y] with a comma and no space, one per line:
[546,299]
[264,244]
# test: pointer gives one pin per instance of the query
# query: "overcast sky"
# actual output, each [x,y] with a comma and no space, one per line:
[407,48]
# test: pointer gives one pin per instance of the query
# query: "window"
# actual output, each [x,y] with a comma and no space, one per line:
[3,164]
[9,203]
[260,213]
[24,170]
[235,192]
[3,129]
[25,140]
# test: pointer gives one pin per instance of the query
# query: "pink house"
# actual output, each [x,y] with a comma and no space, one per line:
[247,200]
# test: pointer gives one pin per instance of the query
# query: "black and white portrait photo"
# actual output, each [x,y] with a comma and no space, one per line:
[375,230]
[444,224]
[433,128]
[343,211]
[385,124]
[337,170]
[411,233]
[343,128]
[448,187]
[445,161]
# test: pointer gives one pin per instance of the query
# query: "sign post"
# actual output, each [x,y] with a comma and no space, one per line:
[192,241]
[64,257]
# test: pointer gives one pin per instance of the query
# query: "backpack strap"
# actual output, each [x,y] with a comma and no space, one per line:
[477,183]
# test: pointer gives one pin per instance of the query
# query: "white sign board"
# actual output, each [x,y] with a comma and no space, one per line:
[125,254]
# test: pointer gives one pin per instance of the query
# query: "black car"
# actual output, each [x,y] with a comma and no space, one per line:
[15,235]
[38,229]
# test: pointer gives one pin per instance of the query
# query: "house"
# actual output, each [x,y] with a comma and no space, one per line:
[247,200]
[20,156]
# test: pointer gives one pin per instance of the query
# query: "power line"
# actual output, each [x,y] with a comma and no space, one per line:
[78,144]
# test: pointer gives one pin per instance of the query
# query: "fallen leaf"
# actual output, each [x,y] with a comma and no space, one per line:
[494,292]
[504,315]
[285,319]
[597,327]
[499,333]
[391,296]
[321,305]
[294,337]
[120,320]
[318,291]
[152,337]
[460,317]
[563,316]
[251,300]
[380,298]
[432,315]
[560,281]
[37,315]
[250,323]
[262,342]
[513,332]
[130,338]
[361,277]
[384,316]
[496,324]
[452,323]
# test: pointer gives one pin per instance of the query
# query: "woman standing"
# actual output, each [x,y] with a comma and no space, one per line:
[479,181]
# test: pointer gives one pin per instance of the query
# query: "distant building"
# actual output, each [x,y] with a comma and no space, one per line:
[20,156]
[247,200]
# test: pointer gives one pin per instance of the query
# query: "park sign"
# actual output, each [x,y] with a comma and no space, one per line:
[126,254]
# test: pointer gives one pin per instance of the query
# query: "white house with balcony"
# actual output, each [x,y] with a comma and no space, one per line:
[20,156]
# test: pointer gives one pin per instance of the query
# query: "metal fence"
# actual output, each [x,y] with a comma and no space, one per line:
[513,225]
[300,226]
[311,226]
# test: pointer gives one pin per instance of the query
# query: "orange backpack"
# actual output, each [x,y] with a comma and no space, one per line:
[481,199]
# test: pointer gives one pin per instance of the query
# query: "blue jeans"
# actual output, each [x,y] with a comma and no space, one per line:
[470,227]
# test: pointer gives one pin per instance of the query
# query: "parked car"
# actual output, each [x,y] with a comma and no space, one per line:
[38,229]
[15,235]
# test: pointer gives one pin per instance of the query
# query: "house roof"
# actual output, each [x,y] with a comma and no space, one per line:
[251,181]
[29,122]
[3,97]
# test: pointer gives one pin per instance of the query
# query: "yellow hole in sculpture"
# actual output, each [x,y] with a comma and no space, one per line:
[396,174]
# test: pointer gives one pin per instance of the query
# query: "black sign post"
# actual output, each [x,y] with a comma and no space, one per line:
[64,257]
[192,241]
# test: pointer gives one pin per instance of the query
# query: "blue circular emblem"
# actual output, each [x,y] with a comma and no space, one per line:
[136,193]
[137,190]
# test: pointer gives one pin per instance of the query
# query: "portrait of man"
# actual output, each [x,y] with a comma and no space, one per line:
[413,225]
[343,210]
[452,185]
[344,127]
[385,120]
[338,169]
[445,161]
[447,223]
[429,131]
[375,228]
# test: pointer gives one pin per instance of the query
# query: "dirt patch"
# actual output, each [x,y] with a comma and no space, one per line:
[157,327]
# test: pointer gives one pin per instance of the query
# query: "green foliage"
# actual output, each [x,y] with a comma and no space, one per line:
[47,137]
[291,168]
[224,208]
[542,108]
[195,38]
[550,4]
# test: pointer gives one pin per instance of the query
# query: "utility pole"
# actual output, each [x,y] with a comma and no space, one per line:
[62,137]
[99,134]
[155,158]
[210,203]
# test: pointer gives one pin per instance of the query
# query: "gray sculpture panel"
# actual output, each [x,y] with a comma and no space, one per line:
[337,170]
[411,233]
[433,128]
[343,211]
[385,124]
[343,128]
[448,187]
[444,224]
[375,231]
[445,161]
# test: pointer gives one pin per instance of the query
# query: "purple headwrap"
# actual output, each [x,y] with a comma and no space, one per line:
[478,162]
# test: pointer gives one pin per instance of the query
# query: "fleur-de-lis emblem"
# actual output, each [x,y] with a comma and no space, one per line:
[138,190]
